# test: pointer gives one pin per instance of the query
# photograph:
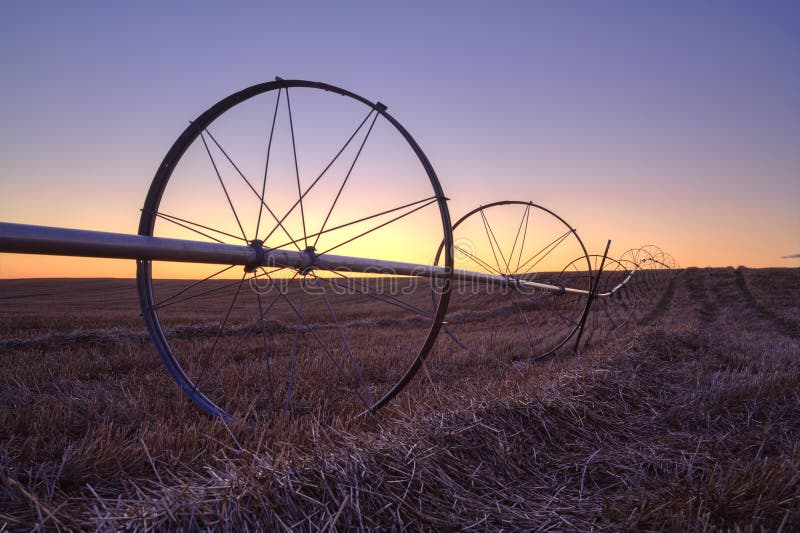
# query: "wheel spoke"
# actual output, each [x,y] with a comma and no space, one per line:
[324,171]
[363,219]
[379,297]
[181,222]
[378,227]
[459,343]
[567,300]
[526,323]
[491,232]
[526,216]
[266,165]
[215,274]
[238,343]
[295,345]
[550,247]
[347,177]
[479,261]
[222,183]
[261,313]
[221,329]
[297,171]
[489,238]
[322,345]
[565,320]
[250,185]
[485,297]
[193,296]
[604,306]
[346,345]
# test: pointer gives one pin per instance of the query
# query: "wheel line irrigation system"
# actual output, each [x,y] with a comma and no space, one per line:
[591,297]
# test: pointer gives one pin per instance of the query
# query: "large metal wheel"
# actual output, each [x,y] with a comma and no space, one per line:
[305,166]
[520,241]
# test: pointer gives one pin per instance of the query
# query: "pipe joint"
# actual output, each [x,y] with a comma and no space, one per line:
[260,256]
[309,260]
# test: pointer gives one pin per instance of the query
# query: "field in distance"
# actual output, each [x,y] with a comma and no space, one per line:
[688,417]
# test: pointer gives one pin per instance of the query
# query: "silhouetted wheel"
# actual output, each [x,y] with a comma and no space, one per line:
[615,301]
[303,166]
[519,241]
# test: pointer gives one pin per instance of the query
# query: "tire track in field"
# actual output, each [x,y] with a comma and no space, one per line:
[722,292]
[786,327]
[728,301]
[699,292]
[663,304]
[114,336]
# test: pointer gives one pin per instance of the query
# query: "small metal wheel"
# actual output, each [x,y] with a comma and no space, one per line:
[653,252]
[520,241]
[615,301]
[649,265]
[310,167]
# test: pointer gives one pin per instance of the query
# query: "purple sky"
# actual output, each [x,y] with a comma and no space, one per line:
[673,123]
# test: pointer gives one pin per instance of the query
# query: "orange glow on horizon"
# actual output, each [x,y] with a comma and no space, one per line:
[686,139]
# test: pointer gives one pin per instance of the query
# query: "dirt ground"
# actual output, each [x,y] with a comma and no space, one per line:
[686,418]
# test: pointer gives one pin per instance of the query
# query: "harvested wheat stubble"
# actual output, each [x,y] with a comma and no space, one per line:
[688,422]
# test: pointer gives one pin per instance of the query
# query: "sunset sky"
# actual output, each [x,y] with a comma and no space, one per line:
[676,124]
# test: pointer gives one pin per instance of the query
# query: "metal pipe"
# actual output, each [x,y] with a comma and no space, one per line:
[307,259]
[620,284]
[29,239]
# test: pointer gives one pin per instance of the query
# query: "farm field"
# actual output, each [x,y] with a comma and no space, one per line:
[688,417]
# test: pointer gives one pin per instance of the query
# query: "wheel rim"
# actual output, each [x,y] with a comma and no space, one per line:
[649,261]
[297,317]
[615,301]
[525,241]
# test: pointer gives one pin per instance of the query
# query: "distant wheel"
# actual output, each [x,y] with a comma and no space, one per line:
[653,252]
[641,261]
[305,166]
[519,241]
[615,301]
[670,262]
